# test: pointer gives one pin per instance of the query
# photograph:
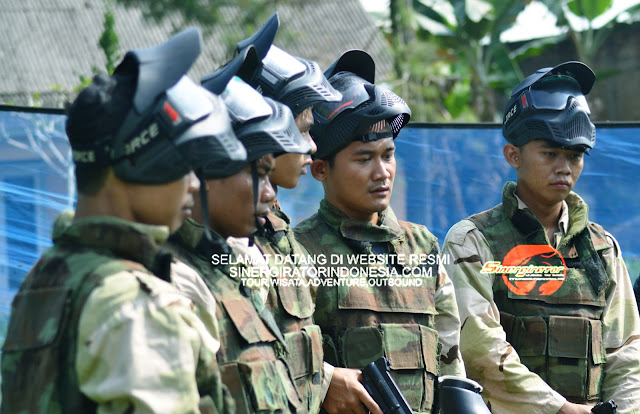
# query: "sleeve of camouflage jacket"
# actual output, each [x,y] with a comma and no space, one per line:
[139,344]
[489,359]
[622,339]
[327,374]
[447,323]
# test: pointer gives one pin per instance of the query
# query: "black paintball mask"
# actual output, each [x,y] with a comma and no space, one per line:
[170,115]
[363,104]
[264,126]
[551,105]
[296,82]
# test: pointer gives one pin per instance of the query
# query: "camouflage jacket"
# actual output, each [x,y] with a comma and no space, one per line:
[252,348]
[531,343]
[399,304]
[96,326]
[292,306]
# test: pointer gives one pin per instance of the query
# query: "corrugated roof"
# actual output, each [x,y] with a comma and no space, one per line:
[46,45]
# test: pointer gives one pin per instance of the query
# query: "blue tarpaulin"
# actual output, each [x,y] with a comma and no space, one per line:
[444,174]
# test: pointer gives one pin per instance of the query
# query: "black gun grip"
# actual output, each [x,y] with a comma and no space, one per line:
[605,407]
[383,389]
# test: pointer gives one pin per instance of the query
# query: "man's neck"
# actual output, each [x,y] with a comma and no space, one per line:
[354,215]
[547,214]
[100,205]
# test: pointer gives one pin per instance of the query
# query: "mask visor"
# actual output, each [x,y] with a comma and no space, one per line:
[555,94]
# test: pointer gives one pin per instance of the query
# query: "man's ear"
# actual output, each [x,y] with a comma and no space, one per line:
[320,169]
[512,155]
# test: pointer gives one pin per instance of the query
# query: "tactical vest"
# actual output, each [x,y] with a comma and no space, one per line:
[38,356]
[292,307]
[361,324]
[559,336]
[251,345]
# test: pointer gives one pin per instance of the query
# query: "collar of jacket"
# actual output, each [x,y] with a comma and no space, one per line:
[191,235]
[386,230]
[132,241]
[527,223]
[277,220]
[577,234]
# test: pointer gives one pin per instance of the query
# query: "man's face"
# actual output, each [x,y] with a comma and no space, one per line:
[289,167]
[547,173]
[360,181]
[231,205]
[164,204]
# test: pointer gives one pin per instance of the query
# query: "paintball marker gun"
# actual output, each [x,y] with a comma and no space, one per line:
[606,407]
[460,396]
[383,389]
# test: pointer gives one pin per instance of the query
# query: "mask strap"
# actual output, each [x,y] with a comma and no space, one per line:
[373,136]
[254,178]
[204,203]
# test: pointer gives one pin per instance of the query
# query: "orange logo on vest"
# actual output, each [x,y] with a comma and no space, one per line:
[537,270]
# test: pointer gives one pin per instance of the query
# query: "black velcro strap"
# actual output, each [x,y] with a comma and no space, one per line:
[162,265]
[373,136]
[591,261]
[96,155]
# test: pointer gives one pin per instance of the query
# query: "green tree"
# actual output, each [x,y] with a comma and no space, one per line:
[426,75]
[587,38]
[109,45]
[466,36]
[468,31]
[206,13]
[109,39]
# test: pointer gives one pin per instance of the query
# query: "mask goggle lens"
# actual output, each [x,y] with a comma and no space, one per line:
[243,102]
[188,100]
[555,94]
[282,63]
[206,117]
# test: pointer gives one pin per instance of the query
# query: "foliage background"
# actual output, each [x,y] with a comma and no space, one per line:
[451,60]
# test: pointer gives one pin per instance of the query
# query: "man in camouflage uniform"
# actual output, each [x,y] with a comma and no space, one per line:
[253,350]
[543,344]
[300,84]
[96,325]
[415,327]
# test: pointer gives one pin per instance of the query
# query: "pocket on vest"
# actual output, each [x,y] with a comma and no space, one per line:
[264,385]
[396,299]
[412,349]
[304,356]
[576,356]
[360,346]
[566,352]
[247,321]
[296,300]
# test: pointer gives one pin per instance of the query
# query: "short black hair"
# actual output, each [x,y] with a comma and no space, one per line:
[95,116]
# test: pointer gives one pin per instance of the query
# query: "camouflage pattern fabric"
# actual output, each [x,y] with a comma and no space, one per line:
[415,327]
[292,307]
[93,328]
[532,351]
[252,348]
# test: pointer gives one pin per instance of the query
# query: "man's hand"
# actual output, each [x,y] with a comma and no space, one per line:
[571,408]
[347,395]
